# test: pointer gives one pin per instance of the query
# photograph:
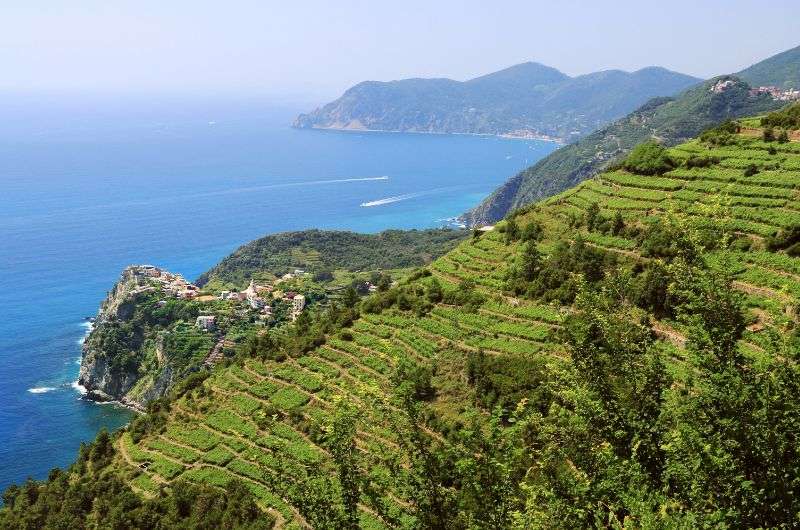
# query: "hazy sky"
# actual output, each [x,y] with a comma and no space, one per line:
[319,48]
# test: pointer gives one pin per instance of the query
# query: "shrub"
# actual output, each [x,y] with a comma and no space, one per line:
[648,158]
[784,239]
[768,135]
[532,232]
[701,161]
[750,170]
[787,118]
[723,134]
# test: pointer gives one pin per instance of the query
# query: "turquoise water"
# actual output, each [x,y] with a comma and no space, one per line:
[95,185]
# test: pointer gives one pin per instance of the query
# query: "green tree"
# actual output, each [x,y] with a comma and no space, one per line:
[435,292]
[512,230]
[532,232]
[648,158]
[619,224]
[341,441]
[350,298]
[530,262]
[593,216]
[732,452]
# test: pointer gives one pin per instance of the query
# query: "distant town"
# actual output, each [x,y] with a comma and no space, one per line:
[776,93]
[256,297]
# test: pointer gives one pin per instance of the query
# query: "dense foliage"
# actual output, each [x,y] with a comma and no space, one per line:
[88,495]
[320,251]
[648,158]
[787,118]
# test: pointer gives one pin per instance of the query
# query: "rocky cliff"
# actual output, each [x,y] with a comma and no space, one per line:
[124,357]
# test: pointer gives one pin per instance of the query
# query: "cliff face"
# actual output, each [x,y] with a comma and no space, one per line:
[123,358]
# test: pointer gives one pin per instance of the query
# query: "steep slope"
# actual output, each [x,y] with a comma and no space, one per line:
[670,120]
[524,100]
[380,414]
[780,70]
[143,339]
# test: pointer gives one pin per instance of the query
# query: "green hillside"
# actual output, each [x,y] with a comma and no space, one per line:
[623,354]
[780,70]
[525,99]
[669,120]
[328,250]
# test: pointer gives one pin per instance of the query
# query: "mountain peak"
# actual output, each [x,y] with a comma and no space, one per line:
[531,73]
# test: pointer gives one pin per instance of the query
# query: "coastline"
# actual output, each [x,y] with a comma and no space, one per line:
[507,136]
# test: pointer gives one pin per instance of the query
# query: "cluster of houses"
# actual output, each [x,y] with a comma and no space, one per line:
[173,285]
[721,86]
[260,297]
[776,93]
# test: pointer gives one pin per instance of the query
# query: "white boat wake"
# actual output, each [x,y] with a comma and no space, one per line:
[41,389]
[405,196]
[389,200]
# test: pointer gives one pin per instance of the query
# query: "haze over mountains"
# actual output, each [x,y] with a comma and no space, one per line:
[528,100]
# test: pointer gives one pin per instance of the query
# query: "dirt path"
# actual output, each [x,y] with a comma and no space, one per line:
[215,355]
[749,288]
[667,333]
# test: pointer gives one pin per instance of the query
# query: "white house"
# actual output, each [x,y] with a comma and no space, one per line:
[206,322]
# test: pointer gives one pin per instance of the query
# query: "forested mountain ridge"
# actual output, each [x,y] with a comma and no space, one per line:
[328,250]
[528,99]
[669,120]
[623,354]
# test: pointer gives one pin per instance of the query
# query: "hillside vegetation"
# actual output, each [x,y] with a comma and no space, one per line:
[621,355]
[526,99]
[328,250]
[669,120]
[779,70]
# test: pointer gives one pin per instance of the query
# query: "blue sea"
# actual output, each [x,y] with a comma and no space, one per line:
[92,184]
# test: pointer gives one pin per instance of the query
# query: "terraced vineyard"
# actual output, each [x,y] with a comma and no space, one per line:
[264,422]
[253,420]
[757,206]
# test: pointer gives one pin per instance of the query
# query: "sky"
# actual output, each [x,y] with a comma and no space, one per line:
[316,49]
